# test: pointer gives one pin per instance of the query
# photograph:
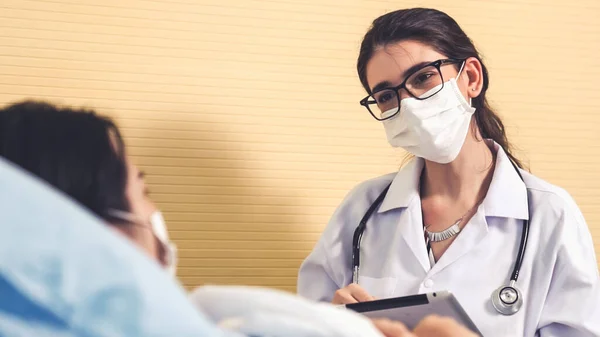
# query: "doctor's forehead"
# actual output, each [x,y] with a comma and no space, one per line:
[390,63]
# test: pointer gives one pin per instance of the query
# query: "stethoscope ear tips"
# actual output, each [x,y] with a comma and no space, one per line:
[507,300]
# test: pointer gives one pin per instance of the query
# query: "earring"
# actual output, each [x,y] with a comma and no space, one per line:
[473,89]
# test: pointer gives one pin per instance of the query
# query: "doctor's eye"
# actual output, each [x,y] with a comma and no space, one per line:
[423,80]
[384,97]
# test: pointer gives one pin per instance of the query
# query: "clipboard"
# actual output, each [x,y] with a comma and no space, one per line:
[410,310]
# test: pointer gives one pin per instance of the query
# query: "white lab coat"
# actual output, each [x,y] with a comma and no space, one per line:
[559,277]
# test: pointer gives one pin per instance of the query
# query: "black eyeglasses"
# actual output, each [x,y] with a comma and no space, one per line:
[421,84]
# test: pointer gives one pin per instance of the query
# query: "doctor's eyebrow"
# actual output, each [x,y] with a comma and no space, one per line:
[409,71]
[414,68]
[381,86]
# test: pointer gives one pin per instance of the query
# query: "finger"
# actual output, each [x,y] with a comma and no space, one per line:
[392,329]
[362,296]
[343,296]
[442,327]
[359,293]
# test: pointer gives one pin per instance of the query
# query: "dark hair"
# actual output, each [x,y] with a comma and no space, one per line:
[438,30]
[76,151]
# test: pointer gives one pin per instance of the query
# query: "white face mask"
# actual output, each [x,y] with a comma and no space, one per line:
[435,128]
[159,229]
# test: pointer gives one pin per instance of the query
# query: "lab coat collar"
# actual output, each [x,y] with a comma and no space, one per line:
[506,197]
[404,187]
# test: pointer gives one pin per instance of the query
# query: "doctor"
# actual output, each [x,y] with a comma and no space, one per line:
[464,215]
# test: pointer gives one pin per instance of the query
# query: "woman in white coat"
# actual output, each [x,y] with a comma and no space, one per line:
[463,214]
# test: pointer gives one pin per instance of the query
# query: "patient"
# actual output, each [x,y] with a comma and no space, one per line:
[83,155]
[63,272]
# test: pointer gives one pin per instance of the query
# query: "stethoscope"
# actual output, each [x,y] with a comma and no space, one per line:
[507,299]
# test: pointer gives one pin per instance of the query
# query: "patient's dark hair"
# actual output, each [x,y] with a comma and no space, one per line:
[74,150]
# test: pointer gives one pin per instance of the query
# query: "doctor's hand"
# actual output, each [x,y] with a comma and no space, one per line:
[391,328]
[441,327]
[352,293]
[432,326]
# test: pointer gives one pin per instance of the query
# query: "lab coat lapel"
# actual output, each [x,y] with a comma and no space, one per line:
[411,230]
[404,194]
[469,237]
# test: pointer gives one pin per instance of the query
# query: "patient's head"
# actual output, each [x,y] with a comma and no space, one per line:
[83,155]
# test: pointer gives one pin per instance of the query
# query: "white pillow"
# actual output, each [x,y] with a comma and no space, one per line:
[264,312]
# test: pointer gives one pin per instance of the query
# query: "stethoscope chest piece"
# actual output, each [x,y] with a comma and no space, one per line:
[507,300]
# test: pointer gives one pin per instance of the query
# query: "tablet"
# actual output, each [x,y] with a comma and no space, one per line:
[410,310]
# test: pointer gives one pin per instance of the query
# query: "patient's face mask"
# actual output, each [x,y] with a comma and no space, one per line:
[159,228]
[168,250]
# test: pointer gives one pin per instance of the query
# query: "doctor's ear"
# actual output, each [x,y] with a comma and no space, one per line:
[473,76]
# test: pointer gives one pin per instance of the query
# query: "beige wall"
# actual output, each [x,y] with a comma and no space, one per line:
[244,113]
